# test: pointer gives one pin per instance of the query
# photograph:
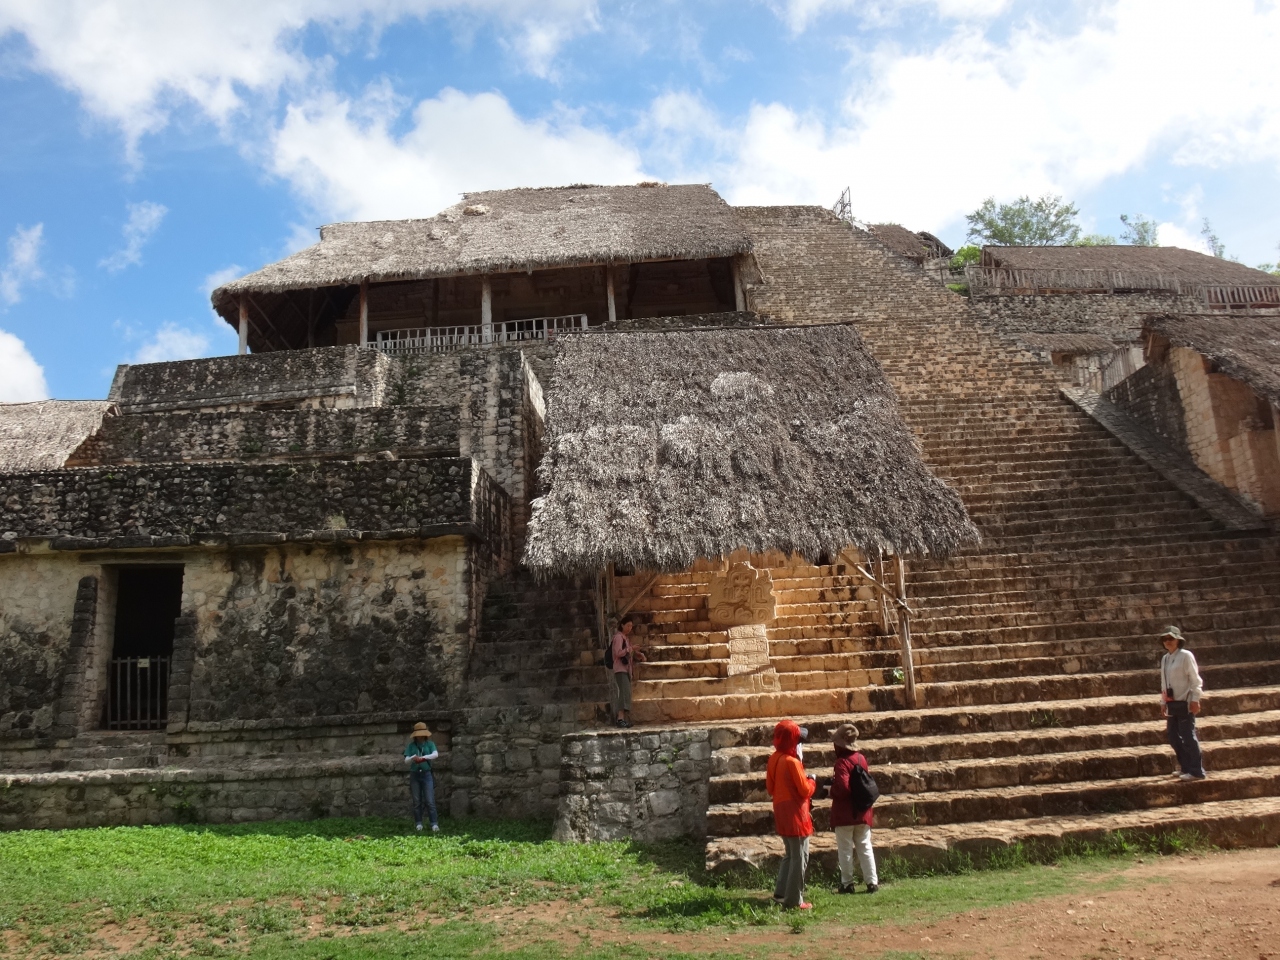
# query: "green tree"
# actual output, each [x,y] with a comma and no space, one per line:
[1216,246]
[1140,230]
[965,256]
[1272,268]
[1095,240]
[1046,222]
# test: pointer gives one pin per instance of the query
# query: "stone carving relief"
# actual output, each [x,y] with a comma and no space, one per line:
[741,595]
[749,666]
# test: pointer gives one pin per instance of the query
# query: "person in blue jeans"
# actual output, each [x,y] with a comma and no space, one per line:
[1180,691]
[422,783]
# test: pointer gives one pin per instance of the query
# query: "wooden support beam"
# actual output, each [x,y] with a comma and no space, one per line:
[364,312]
[608,287]
[904,637]
[649,581]
[486,310]
[739,295]
[244,324]
[282,342]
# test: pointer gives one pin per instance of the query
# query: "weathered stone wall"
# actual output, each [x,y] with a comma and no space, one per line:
[324,376]
[1150,396]
[1116,316]
[298,790]
[295,631]
[38,615]
[255,436]
[632,784]
[181,503]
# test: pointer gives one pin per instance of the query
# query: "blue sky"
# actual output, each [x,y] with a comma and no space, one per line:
[153,148]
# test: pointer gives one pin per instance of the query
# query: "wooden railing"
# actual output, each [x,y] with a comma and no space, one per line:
[1008,280]
[445,339]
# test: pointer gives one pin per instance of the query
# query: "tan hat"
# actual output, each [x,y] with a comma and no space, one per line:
[1171,632]
[420,730]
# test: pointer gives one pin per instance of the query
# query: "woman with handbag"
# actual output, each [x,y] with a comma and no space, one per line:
[853,792]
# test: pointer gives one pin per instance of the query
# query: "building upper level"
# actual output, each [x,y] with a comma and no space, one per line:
[500,265]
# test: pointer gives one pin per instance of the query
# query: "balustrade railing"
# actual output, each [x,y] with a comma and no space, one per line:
[1010,280]
[445,339]
[137,693]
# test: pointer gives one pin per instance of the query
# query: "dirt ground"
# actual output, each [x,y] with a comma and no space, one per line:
[1216,906]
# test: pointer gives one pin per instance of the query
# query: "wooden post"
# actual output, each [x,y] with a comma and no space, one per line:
[608,286]
[244,324]
[739,296]
[904,637]
[486,311]
[884,601]
[364,313]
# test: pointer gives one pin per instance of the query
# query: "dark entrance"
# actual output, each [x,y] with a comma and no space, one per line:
[148,600]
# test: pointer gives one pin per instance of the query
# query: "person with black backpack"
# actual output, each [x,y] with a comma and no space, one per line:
[853,794]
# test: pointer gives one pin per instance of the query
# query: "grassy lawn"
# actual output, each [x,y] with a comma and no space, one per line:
[348,889]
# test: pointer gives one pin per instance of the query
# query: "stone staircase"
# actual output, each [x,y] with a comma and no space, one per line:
[1035,651]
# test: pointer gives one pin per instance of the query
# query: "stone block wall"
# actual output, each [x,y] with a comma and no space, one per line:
[296,631]
[1116,316]
[257,503]
[1150,396]
[325,376]
[256,436]
[631,784]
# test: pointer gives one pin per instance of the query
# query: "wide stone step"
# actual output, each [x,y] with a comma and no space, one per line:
[1051,735]
[1227,824]
[905,782]
[1023,802]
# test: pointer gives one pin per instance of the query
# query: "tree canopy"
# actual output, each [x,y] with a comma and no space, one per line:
[1140,230]
[1046,222]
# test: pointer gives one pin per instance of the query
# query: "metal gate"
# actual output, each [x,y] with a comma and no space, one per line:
[137,693]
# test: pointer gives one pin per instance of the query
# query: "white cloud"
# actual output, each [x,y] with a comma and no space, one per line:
[799,15]
[21,378]
[144,220]
[930,134]
[216,279]
[172,342]
[329,147]
[1173,235]
[23,263]
[132,61]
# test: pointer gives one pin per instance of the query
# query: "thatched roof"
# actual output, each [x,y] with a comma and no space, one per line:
[900,240]
[665,447]
[1068,342]
[42,435]
[499,231]
[1186,266]
[1244,347]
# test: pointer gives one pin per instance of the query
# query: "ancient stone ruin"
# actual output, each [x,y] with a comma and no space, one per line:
[453,452]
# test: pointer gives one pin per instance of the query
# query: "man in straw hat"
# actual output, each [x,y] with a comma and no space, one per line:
[1180,689]
[422,783]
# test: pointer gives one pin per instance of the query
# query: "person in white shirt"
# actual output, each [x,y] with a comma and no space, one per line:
[1180,689]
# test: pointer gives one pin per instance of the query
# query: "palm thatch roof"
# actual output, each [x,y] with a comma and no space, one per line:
[1246,348]
[42,435]
[665,447]
[499,231]
[1187,266]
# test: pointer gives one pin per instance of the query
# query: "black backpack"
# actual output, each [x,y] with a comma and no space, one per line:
[863,791]
[608,653]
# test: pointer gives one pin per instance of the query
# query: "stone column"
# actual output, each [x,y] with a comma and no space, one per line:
[486,310]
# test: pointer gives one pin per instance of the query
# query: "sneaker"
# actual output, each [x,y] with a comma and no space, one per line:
[872,887]
[804,906]
[435,828]
[846,888]
[418,827]
[1187,776]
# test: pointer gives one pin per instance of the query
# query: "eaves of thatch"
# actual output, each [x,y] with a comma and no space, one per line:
[499,231]
[1246,347]
[42,435]
[900,240]
[665,447]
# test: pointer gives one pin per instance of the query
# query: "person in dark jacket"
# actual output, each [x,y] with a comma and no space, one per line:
[851,824]
[791,791]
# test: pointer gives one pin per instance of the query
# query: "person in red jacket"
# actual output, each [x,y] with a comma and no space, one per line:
[791,791]
[852,825]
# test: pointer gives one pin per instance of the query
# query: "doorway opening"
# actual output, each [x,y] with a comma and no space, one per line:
[148,601]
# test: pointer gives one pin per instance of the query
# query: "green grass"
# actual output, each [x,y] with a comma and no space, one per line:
[364,888]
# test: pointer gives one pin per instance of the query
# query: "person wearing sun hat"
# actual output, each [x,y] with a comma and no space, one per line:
[1180,690]
[422,782]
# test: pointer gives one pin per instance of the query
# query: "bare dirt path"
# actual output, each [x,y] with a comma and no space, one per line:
[1212,906]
